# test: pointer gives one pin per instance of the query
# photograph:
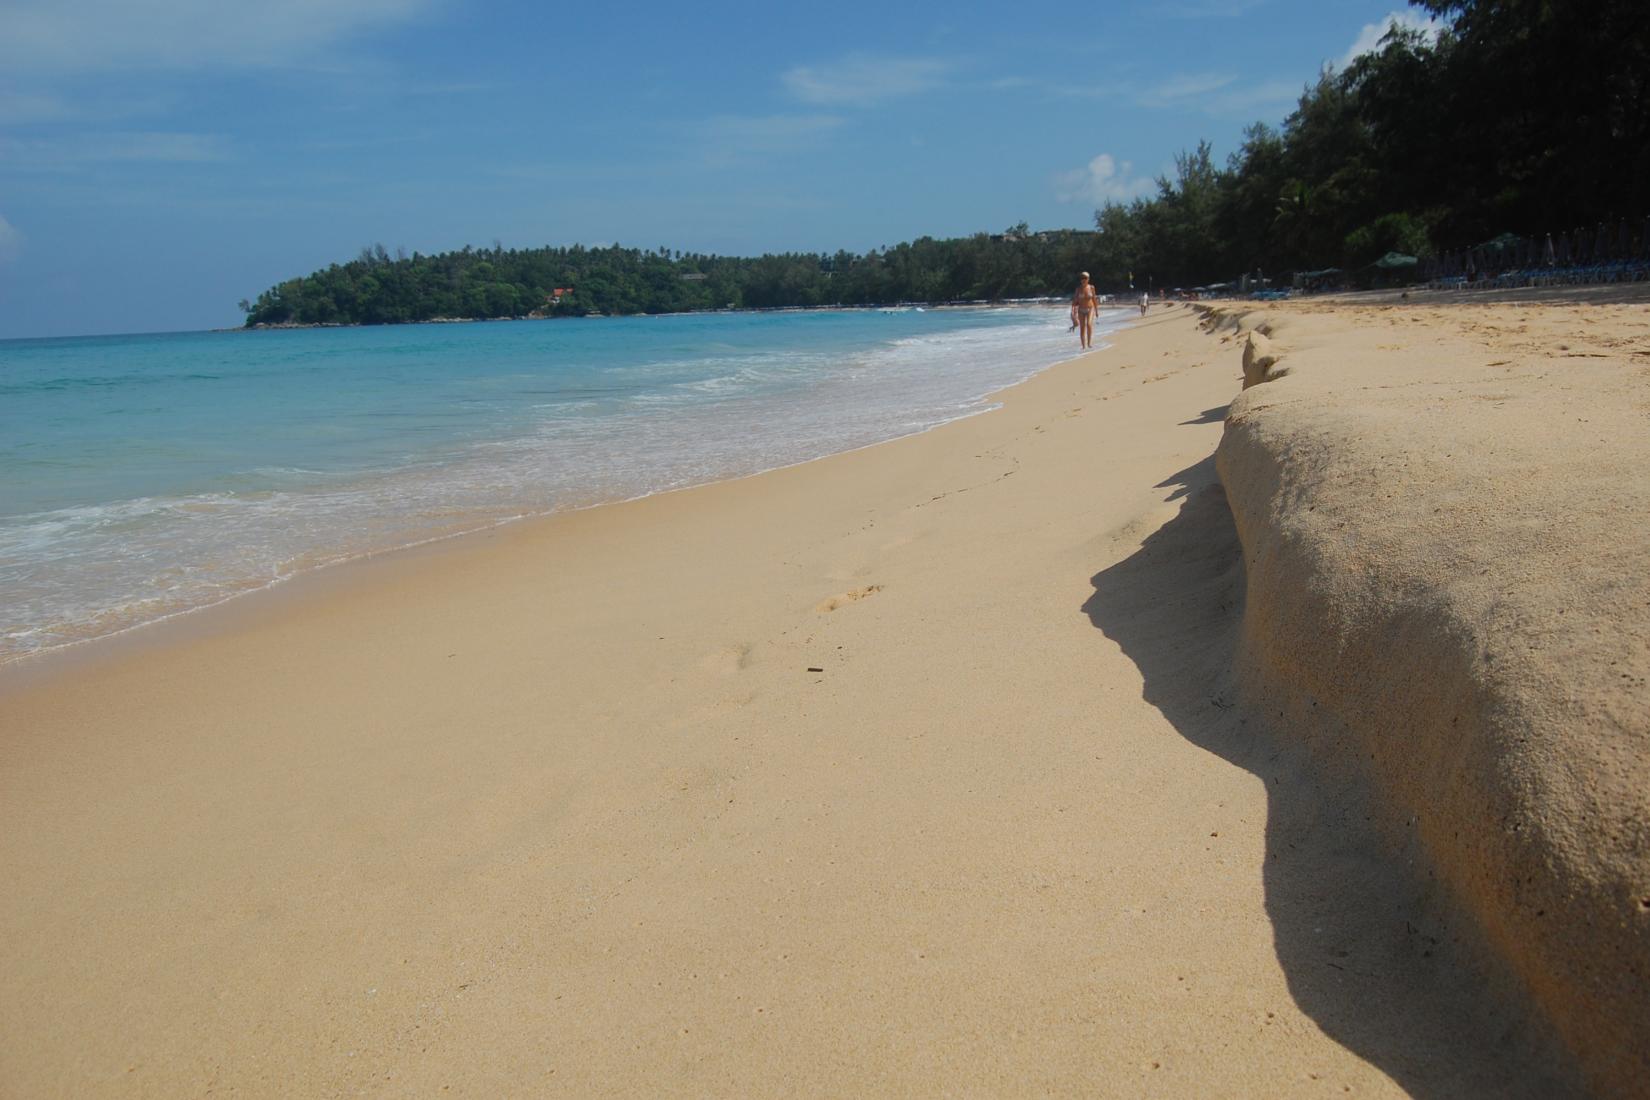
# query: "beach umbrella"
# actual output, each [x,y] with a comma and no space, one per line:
[1393,260]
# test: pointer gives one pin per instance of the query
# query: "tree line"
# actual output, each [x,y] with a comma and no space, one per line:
[376,288]
[1518,116]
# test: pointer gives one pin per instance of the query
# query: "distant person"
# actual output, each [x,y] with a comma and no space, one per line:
[1084,304]
[1145,300]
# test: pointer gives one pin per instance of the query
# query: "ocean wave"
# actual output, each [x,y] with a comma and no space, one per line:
[610,431]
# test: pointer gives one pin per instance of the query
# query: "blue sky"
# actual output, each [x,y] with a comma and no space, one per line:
[162,159]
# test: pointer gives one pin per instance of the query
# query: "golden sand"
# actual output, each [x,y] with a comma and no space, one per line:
[918,770]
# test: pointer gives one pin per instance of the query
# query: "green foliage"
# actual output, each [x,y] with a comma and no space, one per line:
[1389,233]
[375,289]
[1525,116]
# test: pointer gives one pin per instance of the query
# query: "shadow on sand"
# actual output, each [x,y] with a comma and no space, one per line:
[1207,416]
[1364,949]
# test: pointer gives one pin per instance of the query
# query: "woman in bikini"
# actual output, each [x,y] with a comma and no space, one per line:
[1084,303]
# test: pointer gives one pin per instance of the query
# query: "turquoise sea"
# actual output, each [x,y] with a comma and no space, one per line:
[144,476]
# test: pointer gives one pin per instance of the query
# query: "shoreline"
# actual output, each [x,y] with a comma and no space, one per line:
[46,655]
[269,590]
[917,766]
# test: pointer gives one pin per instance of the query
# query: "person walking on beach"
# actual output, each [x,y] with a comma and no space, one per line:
[1084,303]
[1145,300]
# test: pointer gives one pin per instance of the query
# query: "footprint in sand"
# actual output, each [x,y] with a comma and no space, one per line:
[842,599]
[727,660]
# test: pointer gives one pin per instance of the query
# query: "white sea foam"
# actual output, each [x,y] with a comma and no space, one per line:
[88,570]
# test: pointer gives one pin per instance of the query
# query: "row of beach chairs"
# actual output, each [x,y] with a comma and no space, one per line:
[1620,271]
[1614,252]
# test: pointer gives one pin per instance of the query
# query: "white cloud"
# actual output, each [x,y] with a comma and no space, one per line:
[860,80]
[1370,37]
[62,36]
[1103,180]
[11,242]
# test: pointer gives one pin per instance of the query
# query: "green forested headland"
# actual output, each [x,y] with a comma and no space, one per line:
[1522,116]
[498,282]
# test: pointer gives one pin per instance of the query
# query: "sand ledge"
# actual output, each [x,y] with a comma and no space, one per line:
[1447,592]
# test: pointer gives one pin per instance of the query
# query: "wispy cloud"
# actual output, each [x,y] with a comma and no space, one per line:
[725,140]
[559,173]
[101,108]
[1267,94]
[152,146]
[80,36]
[11,242]
[1208,9]
[455,87]
[1370,37]
[861,80]
[1219,95]
[767,133]
[1104,179]
[69,153]
[358,142]
[23,108]
[1178,90]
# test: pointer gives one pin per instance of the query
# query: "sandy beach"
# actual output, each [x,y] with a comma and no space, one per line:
[947,766]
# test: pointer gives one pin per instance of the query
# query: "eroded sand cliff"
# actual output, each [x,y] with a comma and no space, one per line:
[1448,594]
